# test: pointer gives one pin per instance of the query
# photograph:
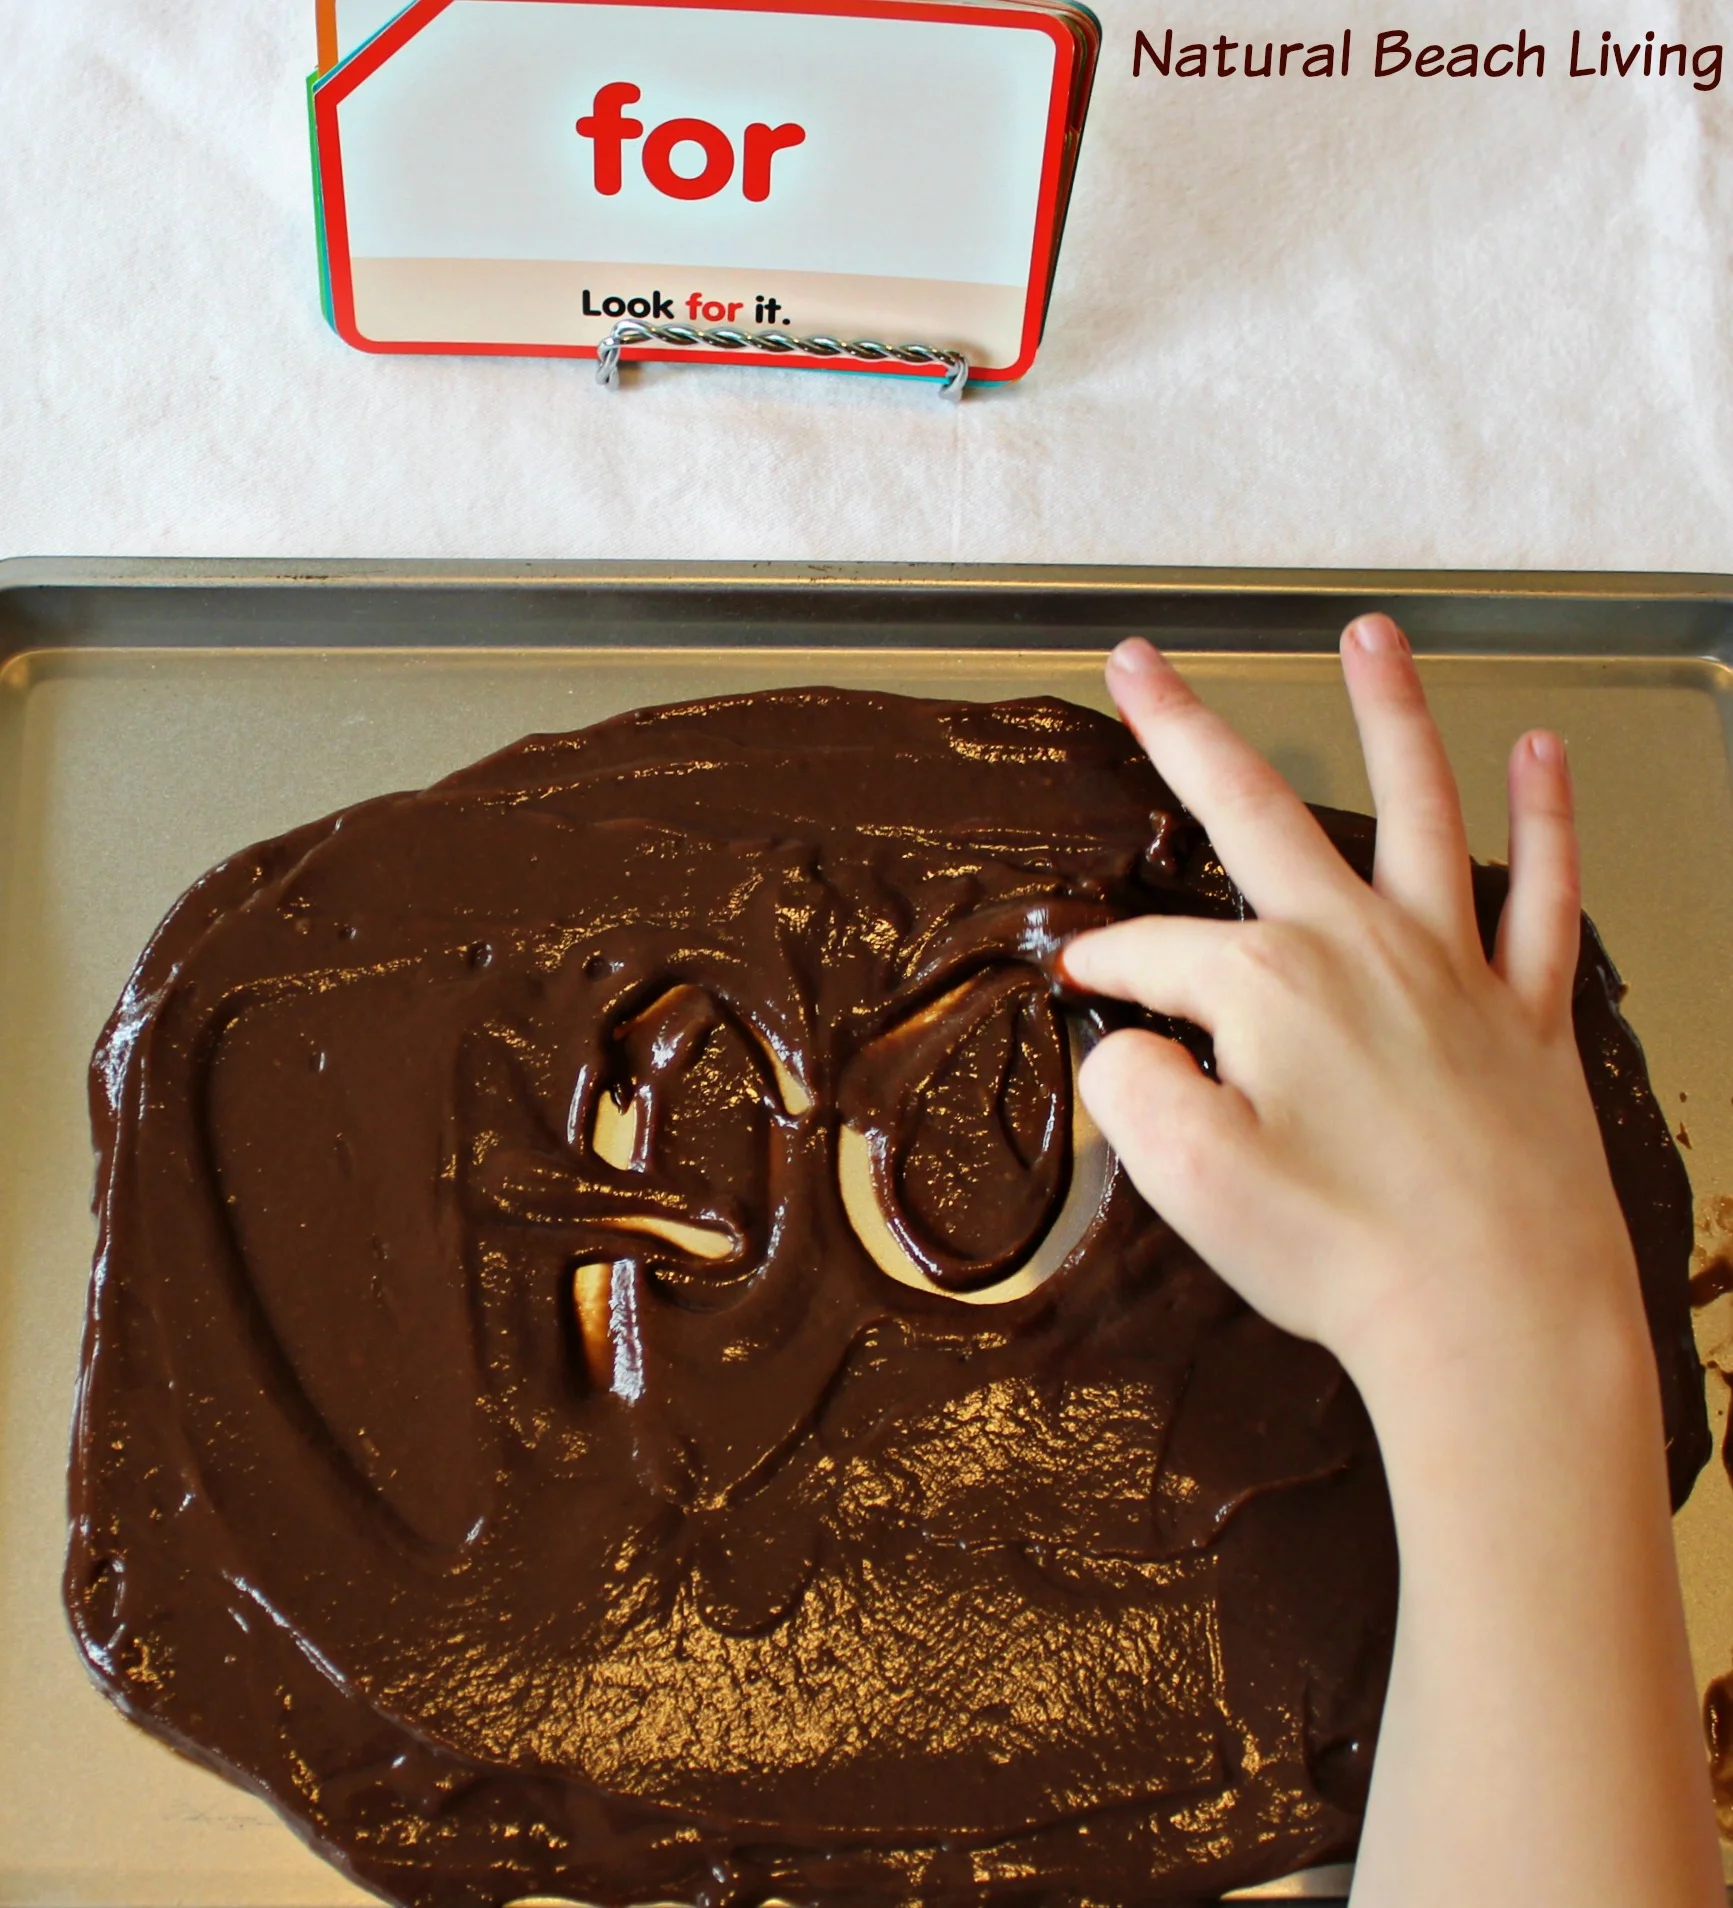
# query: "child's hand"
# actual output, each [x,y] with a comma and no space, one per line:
[1402,1162]
[1402,1159]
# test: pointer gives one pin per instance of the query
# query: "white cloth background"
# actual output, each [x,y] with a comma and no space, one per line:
[1394,322]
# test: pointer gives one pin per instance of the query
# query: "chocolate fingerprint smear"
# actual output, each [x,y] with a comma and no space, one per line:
[617,1368]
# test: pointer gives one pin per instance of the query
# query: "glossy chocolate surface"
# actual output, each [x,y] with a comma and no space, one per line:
[496,1445]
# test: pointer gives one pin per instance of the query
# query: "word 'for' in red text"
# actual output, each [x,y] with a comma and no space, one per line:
[607,126]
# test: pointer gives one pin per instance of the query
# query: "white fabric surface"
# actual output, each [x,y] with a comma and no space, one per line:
[1393,322]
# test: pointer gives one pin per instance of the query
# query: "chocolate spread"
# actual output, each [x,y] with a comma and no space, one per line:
[496,1446]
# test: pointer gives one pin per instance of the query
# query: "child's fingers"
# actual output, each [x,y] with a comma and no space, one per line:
[1265,835]
[1182,1138]
[1165,962]
[1422,857]
[1541,928]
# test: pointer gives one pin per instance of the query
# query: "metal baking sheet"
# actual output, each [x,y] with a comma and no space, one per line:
[154,717]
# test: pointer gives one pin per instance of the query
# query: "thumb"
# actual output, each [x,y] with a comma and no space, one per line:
[1185,1141]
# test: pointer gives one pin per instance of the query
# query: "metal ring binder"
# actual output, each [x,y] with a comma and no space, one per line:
[634,331]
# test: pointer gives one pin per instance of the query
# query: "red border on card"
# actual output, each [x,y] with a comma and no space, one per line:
[330,92]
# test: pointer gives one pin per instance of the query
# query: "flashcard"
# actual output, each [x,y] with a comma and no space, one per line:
[345,25]
[516,176]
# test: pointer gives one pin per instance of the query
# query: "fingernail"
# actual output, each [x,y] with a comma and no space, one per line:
[1060,967]
[1135,657]
[1376,636]
[1547,749]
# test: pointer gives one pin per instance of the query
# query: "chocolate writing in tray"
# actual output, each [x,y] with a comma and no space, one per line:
[582,1395]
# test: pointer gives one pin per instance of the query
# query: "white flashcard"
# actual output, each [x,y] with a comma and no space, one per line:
[515,176]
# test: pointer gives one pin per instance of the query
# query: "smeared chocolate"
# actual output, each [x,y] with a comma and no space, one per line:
[1718,1734]
[495,1445]
[1711,1281]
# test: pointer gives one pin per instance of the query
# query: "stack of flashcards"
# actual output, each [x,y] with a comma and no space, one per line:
[526,176]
